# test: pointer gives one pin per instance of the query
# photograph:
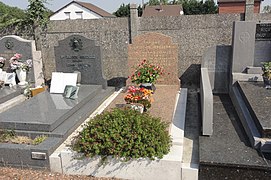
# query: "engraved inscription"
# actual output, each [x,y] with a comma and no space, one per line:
[244,37]
[263,31]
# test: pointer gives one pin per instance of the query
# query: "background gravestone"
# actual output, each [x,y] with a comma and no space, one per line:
[9,45]
[77,53]
[262,43]
[157,49]
[217,61]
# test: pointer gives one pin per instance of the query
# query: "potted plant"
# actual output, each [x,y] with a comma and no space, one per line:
[266,68]
[139,95]
[146,75]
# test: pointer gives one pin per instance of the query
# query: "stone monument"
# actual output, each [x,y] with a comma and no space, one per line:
[77,53]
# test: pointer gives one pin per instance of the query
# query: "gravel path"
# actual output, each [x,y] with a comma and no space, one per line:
[30,174]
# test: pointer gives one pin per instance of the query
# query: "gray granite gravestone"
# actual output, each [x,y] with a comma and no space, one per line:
[77,53]
[9,45]
[217,61]
[243,45]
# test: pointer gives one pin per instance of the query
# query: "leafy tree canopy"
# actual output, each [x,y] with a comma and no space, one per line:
[124,11]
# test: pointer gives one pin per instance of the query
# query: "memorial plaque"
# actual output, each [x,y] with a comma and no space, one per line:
[157,49]
[77,53]
[263,32]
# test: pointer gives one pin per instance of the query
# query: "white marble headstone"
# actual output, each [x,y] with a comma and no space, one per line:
[61,80]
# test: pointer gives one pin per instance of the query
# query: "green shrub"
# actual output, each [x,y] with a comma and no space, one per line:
[124,134]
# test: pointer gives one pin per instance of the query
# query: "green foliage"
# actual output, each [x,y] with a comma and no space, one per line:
[6,134]
[266,67]
[10,15]
[37,13]
[124,11]
[199,7]
[39,139]
[125,134]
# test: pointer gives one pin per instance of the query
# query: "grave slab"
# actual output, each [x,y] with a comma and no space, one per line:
[8,93]
[227,153]
[46,111]
[258,101]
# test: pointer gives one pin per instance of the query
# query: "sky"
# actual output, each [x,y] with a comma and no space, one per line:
[108,5]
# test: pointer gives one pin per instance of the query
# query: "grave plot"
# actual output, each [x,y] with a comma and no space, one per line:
[169,104]
[235,141]
[57,114]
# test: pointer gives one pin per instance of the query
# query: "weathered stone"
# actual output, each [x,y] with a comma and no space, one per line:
[157,49]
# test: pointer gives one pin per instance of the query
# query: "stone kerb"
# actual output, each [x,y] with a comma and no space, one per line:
[157,49]
[206,103]
[9,45]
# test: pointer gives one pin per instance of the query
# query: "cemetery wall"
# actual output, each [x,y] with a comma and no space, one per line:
[194,34]
[112,34]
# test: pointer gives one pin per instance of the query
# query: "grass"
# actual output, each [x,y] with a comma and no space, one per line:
[9,136]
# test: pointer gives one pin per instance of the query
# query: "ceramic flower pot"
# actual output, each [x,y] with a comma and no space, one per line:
[149,86]
[21,74]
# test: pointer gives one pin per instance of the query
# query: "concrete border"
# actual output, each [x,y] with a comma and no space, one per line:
[206,95]
[169,167]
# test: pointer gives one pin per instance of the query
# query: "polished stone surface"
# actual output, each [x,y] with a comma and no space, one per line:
[259,102]
[228,149]
[46,111]
[7,93]
[77,53]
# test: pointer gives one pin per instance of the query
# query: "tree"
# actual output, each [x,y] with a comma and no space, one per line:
[157,2]
[10,15]
[37,13]
[199,7]
[124,11]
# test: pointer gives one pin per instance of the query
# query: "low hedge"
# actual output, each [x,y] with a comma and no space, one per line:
[124,133]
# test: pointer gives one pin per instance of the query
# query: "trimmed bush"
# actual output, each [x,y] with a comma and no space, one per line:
[125,134]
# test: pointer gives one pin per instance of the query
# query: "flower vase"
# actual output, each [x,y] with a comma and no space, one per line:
[149,86]
[267,83]
[21,74]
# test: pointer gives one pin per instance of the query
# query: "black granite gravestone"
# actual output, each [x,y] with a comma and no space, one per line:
[77,53]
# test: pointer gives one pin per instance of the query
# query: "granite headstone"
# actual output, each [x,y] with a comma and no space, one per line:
[9,45]
[77,53]
[158,49]
[217,61]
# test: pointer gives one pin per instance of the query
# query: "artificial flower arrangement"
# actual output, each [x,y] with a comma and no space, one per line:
[139,95]
[16,63]
[2,62]
[146,73]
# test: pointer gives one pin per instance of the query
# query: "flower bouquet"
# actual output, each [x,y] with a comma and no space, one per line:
[21,68]
[139,95]
[146,73]
[16,63]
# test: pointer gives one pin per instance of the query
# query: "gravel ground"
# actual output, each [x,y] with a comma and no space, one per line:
[163,106]
[30,174]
